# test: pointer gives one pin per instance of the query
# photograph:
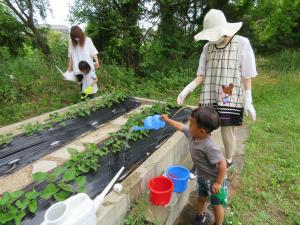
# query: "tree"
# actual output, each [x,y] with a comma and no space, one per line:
[113,26]
[275,24]
[11,31]
[26,12]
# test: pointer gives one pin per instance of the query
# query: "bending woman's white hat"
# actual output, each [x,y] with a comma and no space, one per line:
[216,26]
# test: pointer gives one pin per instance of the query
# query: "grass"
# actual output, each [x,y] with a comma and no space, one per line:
[29,87]
[269,189]
[137,214]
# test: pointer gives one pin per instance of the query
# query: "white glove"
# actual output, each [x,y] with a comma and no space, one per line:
[248,104]
[188,89]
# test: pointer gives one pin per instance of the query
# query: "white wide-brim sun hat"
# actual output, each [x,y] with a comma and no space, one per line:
[216,26]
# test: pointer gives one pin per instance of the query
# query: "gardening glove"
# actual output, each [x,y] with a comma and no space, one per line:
[248,107]
[188,89]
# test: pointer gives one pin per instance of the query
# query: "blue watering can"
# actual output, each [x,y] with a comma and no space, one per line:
[151,123]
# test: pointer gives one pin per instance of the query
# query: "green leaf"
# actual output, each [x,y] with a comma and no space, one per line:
[72,151]
[69,175]
[65,187]
[6,217]
[32,195]
[60,196]
[58,171]
[22,204]
[5,198]
[51,178]
[83,168]
[33,206]
[49,191]
[18,219]
[81,183]
[40,176]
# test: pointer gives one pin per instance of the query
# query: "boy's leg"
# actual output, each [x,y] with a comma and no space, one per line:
[202,199]
[219,214]
[201,204]
[218,202]
[229,141]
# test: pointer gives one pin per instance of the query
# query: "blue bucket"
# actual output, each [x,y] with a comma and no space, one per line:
[180,176]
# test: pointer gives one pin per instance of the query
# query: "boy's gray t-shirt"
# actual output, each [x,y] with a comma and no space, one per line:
[205,155]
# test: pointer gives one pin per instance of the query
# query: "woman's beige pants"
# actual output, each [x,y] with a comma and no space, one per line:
[229,140]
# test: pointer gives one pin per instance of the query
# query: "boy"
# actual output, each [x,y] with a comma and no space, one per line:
[226,67]
[208,159]
[89,81]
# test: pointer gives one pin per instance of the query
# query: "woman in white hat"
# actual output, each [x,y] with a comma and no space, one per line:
[226,66]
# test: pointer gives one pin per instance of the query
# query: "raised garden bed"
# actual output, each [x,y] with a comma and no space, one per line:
[94,167]
[58,130]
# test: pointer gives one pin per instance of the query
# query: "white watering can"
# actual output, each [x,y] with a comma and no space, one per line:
[78,209]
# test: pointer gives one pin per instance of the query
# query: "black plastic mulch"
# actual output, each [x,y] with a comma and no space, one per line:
[24,149]
[111,164]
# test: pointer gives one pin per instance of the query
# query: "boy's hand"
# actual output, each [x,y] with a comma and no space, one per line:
[164,117]
[216,188]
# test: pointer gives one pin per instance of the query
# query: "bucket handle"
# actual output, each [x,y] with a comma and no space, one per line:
[192,176]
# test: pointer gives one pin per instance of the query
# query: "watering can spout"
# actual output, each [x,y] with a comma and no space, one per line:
[99,199]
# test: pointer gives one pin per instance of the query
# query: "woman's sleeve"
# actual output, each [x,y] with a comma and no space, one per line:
[247,60]
[202,61]
[92,48]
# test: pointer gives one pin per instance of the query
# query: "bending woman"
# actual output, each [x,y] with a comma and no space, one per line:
[81,48]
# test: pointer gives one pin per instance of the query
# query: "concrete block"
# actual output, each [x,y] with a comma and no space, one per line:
[114,209]
[132,186]
[43,166]
[182,200]
[62,154]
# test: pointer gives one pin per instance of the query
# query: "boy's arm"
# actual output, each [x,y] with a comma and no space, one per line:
[95,81]
[177,125]
[220,177]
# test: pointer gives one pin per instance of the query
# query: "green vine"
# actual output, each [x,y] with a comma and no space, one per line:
[81,109]
[70,178]
[5,138]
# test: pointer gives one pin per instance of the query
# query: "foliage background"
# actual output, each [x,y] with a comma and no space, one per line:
[157,62]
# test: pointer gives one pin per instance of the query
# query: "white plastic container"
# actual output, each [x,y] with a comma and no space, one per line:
[78,209]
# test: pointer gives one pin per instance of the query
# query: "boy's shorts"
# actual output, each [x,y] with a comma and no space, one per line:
[205,190]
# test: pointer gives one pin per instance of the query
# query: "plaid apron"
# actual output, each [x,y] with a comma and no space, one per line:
[223,85]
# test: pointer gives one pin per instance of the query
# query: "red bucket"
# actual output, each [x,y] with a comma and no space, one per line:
[160,190]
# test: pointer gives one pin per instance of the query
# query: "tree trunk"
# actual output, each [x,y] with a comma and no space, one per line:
[40,40]
[131,52]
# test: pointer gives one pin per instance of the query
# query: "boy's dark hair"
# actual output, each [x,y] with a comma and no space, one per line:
[207,118]
[84,66]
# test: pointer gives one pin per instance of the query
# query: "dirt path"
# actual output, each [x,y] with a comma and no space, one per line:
[188,214]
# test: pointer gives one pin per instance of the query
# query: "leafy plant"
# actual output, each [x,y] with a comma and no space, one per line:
[70,178]
[81,109]
[31,128]
[5,138]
